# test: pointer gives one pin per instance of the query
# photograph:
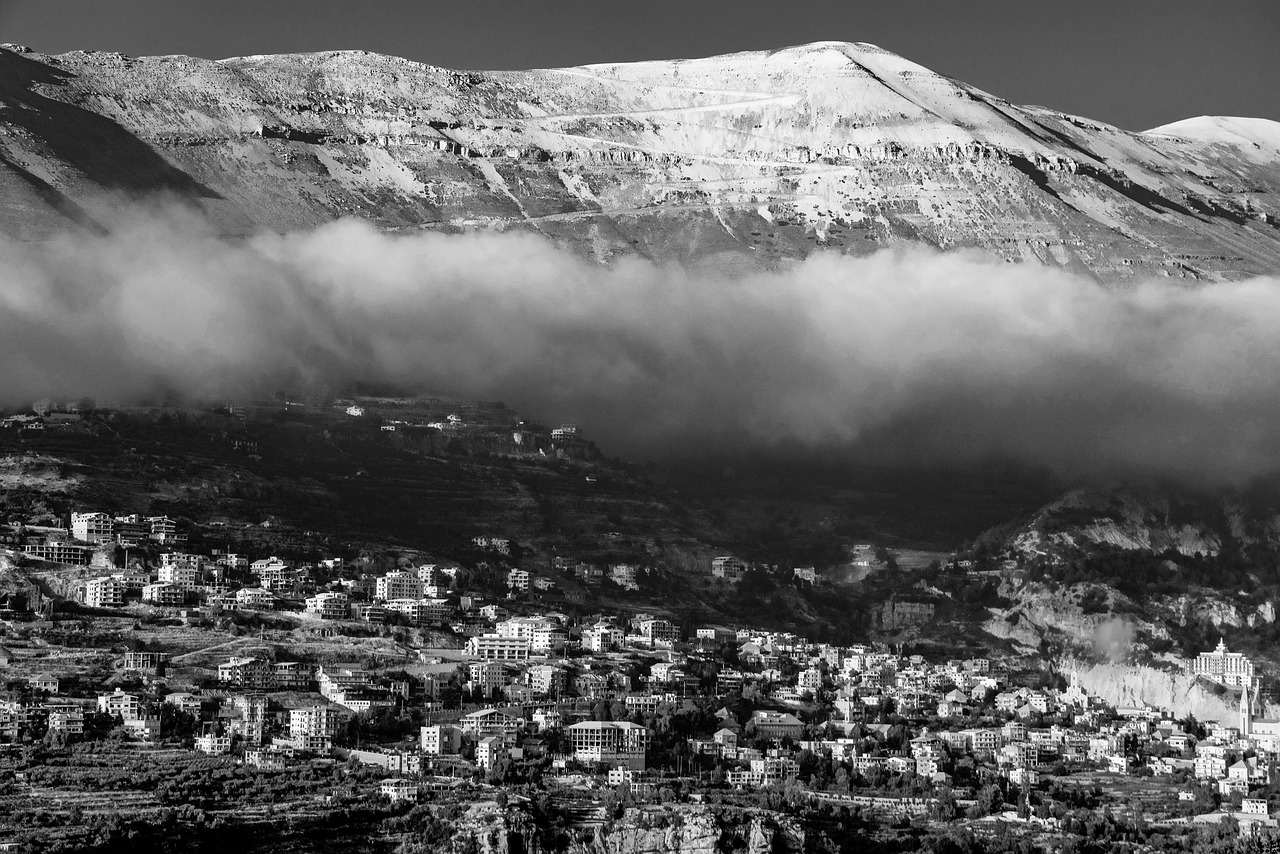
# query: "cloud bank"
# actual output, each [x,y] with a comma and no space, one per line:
[906,355]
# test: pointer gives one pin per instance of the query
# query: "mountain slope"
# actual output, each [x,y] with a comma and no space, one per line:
[766,154]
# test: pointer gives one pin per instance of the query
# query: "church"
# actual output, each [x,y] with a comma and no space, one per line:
[1255,728]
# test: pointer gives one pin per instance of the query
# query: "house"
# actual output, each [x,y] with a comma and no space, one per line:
[399,789]
[44,682]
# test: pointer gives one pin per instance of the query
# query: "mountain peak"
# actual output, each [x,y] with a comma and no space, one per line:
[1260,134]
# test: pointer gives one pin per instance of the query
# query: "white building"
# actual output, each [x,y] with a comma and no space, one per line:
[398,585]
[329,606]
[104,593]
[93,527]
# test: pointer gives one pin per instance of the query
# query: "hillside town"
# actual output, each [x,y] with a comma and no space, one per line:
[489,690]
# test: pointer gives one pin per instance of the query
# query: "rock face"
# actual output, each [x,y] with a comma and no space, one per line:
[1146,519]
[767,155]
[695,830]
[1179,692]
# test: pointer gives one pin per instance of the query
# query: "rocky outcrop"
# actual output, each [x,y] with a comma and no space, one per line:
[695,830]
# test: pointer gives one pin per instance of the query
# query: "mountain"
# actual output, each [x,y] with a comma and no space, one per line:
[765,155]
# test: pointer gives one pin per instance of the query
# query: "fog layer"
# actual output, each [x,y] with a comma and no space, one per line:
[912,354]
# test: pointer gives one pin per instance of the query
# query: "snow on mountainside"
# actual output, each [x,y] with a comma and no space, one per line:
[1262,135]
[763,154]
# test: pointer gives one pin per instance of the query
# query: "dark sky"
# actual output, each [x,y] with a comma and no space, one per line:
[1134,63]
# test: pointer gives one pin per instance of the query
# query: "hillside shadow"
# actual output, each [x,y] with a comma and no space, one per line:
[103,150]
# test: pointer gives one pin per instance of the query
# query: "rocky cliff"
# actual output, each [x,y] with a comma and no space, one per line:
[763,155]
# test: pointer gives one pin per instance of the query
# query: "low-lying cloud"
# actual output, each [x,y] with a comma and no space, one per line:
[912,354]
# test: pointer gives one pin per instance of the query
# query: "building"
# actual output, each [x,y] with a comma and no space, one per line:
[127,706]
[255,673]
[60,552]
[397,585]
[255,597]
[543,634]
[145,662]
[601,637]
[44,682]
[657,632]
[498,648]
[249,717]
[312,728]
[180,573]
[777,725]
[490,751]
[442,740]
[1232,669]
[486,722]
[329,606]
[396,789]
[610,743]
[728,567]
[518,579]
[97,528]
[104,593]
[214,745]
[293,675]
[164,594]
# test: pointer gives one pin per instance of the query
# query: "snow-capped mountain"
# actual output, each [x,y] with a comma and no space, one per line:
[766,154]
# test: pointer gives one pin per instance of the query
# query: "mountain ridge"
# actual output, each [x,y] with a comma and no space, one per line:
[765,154]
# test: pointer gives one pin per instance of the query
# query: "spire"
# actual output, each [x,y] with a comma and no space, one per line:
[1246,712]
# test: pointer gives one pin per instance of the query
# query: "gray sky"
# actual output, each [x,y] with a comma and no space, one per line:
[1134,63]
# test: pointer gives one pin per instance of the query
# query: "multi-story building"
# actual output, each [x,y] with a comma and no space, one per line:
[441,740]
[94,528]
[312,728]
[398,585]
[180,570]
[518,579]
[127,706]
[545,680]
[543,634]
[421,611]
[164,594]
[486,722]
[60,552]
[293,675]
[489,752]
[255,597]
[329,606]
[164,529]
[498,648]
[253,672]
[1233,669]
[601,637]
[486,676]
[104,593]
[610,743]
[728,567]
[657,631]
[777,724]
[249,717]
